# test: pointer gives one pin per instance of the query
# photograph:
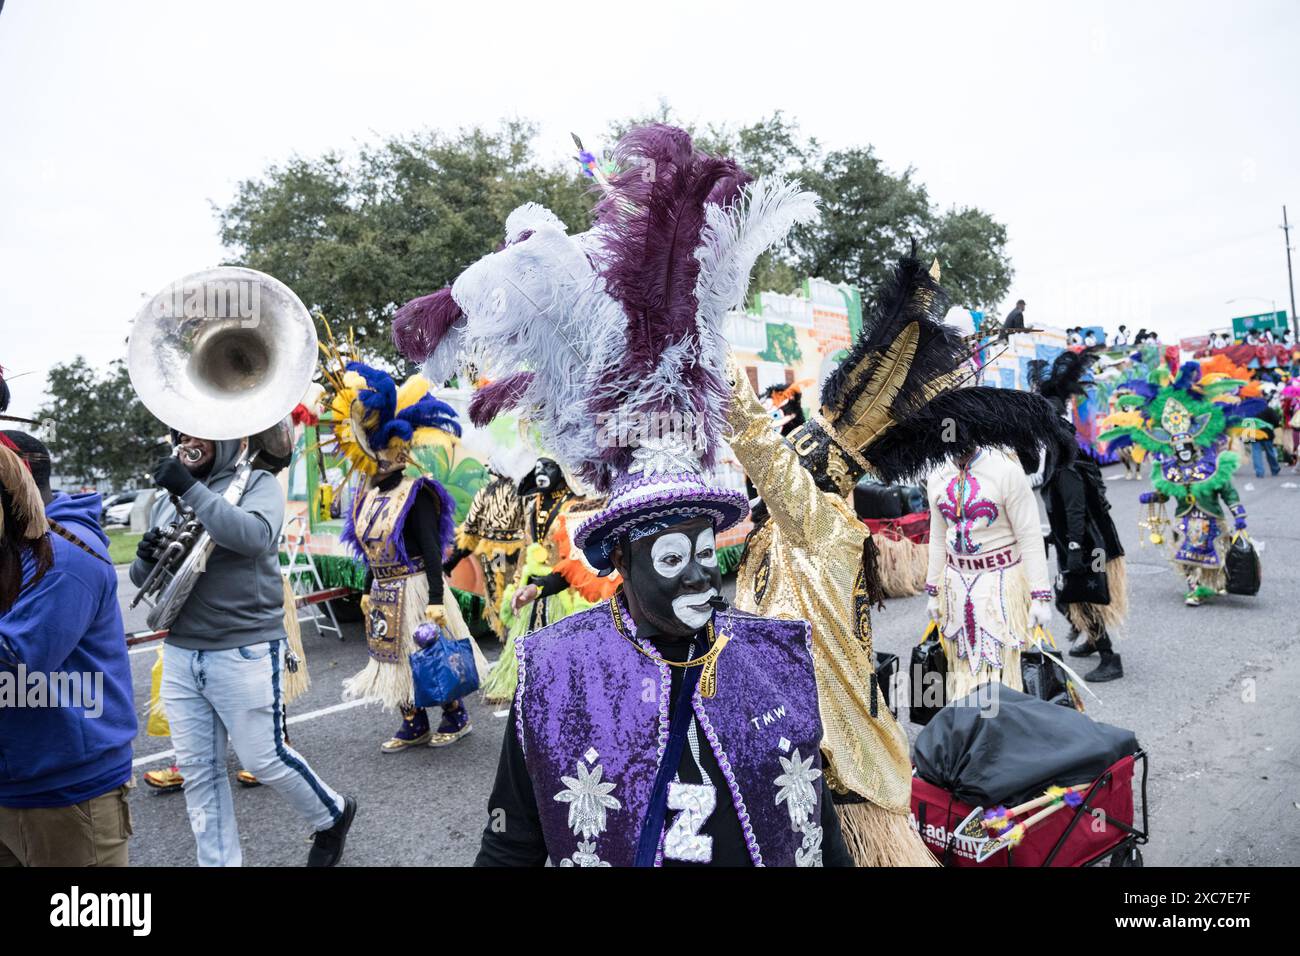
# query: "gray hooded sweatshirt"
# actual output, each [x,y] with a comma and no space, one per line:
[239,599]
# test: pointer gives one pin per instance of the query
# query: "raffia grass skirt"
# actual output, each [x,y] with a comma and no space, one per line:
[389,683]
[876,837]
[499,686]
[1001,603]
[903,564]
[1096,619]
[296,682]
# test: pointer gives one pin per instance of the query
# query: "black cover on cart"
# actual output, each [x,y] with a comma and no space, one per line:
[1011,753]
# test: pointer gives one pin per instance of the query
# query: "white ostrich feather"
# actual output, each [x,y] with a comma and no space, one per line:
[531,215]
[734,237]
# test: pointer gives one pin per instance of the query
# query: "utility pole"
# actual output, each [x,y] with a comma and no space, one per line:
[1286,232]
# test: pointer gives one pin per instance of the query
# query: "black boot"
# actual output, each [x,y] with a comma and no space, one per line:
[327,845]
[1110,668]
[1082,647]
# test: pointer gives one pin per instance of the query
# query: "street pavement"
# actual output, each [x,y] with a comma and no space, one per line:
[1210,692]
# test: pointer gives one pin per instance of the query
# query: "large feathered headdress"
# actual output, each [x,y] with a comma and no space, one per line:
[610,341]
[902,400]
[374,421]
[1194,408]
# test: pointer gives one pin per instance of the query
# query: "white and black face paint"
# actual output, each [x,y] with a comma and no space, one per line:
[672,576]
[541,477]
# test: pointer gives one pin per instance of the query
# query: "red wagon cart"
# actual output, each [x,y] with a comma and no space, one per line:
[1100,828]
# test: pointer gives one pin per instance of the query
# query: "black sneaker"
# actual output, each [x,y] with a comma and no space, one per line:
[1110,668]
[327,845]
[1082,648]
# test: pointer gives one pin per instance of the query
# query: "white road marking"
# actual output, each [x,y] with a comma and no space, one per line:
[296,719]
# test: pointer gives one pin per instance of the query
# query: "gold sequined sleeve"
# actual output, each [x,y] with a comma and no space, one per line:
[792,496]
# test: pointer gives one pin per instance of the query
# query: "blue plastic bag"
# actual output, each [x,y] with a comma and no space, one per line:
[443,669]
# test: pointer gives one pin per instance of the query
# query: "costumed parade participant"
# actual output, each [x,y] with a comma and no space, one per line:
[886,409]
[540,593]
[401,526]
[651,729]
[988,582]
[225,658]
[67,763]
[1089,554]
[492,533]
[1184,426]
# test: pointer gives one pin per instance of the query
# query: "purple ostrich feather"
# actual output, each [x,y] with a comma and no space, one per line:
[654,218]
[421,324]
[491,400]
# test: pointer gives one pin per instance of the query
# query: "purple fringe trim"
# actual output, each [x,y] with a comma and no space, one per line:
[519,689]
[348,536]
[751,842]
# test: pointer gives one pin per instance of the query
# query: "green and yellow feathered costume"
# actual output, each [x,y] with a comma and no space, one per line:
[1185,424]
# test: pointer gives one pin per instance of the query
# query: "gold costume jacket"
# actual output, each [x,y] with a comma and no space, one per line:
[805,563]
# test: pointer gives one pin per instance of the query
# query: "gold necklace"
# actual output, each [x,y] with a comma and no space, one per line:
[708,660]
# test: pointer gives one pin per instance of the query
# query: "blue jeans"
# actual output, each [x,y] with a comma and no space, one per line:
[1258,450]
[235,696]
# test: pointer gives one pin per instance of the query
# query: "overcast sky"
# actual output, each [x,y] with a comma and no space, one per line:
[1138,153]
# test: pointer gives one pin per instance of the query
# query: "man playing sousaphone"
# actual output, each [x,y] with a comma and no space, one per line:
[224,659]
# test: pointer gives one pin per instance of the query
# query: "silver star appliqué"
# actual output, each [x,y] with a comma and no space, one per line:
[797,787]
[667,455]
[588,799]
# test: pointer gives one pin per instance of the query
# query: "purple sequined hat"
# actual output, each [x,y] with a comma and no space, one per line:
[646,504]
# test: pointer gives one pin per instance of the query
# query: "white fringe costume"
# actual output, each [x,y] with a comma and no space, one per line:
[987,561]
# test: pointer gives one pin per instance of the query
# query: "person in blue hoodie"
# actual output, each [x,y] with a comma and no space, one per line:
[67,717]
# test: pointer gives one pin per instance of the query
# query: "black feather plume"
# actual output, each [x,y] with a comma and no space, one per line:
[1065,380]
[965,419]
[1036,372]
[910,295]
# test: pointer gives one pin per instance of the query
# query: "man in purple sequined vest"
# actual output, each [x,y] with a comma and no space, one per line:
[656,729]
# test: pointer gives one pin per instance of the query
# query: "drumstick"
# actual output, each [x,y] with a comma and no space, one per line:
[1000,815]
[1013,836]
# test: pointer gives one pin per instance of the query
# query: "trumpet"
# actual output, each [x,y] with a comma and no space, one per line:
[226,353]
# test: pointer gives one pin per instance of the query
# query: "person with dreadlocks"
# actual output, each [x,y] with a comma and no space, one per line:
[67,761]
[401,526]
[885,410]
[1089,555]
[1184,424]
[654,728]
